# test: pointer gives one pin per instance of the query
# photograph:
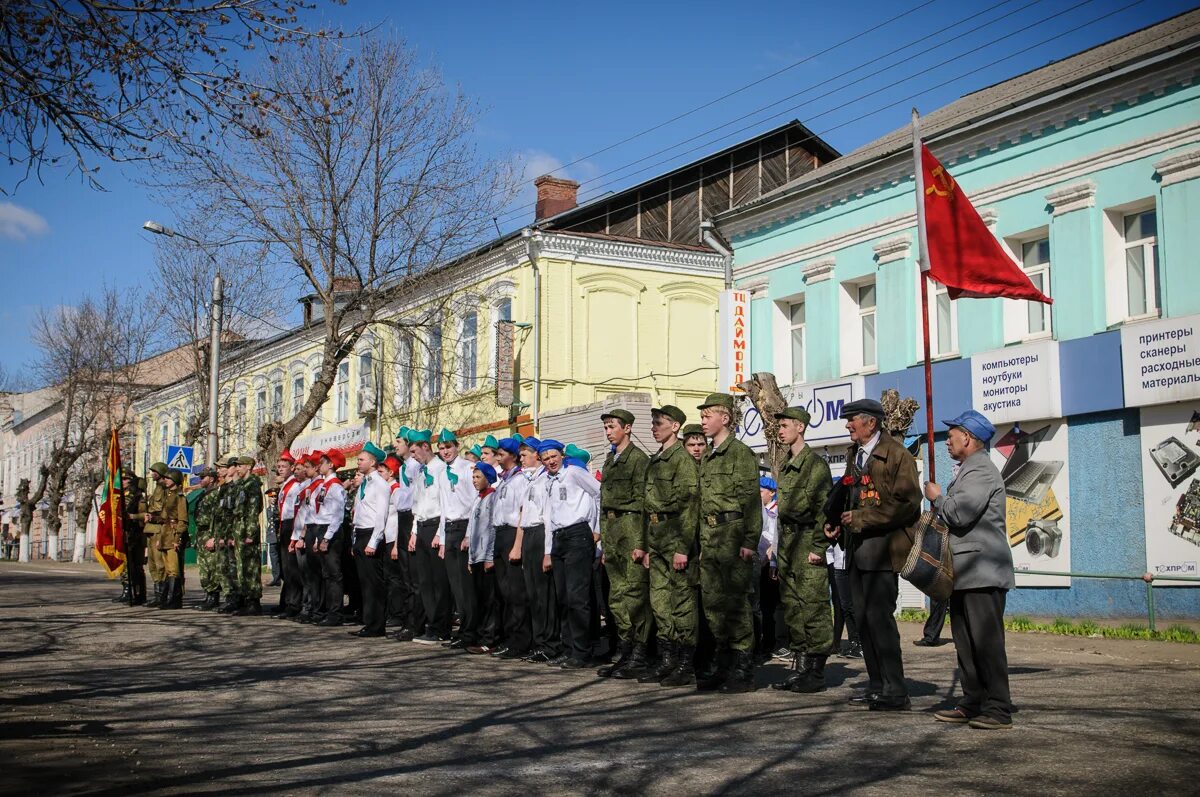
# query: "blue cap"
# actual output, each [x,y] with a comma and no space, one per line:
[510,445]
[549,445]
[487,470]
[974,423]
[767,483]
[532,442]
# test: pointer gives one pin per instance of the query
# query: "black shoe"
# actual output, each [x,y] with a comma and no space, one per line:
[864,699]
[456,644]
[403,635]
[123,597]
[250,608]
[331,620]
[637,666]
[427,639]
[275,582]
[232,602]
[573,664]
[154,602]
[854,651]
[666,665]
[172,594]
[741,678]
[812,680]
[499,650]
[926,643]
[624,653]
[558,660]
[365,634]
[510,654]
[684,673]
[537,657]
[890,704]
[800,666]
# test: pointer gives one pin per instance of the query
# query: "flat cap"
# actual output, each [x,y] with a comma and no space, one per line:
[672,412]
[863,407]
[974,423]
[624,416]
[549,445]
[718,400]
[531,442]
[796,414]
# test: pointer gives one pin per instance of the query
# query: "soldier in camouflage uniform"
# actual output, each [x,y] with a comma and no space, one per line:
[172,519]
[623,536]
[248,539]
[804,484]
[225,535]
[150,529]
[672,487]
[133,576]
[202,508]
[730,525]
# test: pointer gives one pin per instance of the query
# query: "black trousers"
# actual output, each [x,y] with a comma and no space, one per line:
[540,594]
[370,579]
[874,593]
[331,572]
[291,597]
[397,576]
[843,606]
[510,581]
[310,563]
[135,564]
[432,583]
[573,555]
[977,625]
[351,587]
[461,584]
[483,583]
[936,622]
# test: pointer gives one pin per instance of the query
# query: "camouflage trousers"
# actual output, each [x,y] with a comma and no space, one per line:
[228,569]
[208,564]
[672,592]
[725,586]
[629,581]
[804,593]
[250,571]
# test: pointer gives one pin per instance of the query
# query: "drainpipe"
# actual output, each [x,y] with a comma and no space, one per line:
[532,239]
[714,240]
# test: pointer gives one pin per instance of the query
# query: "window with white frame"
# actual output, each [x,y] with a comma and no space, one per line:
[468,352]
[943,321]
[796,323]
[318,415]
[175,435]
[162,435]
[241,423]
[865,300]
[433,369]
[297,393]
[1141,263]
[365,395]
[225,426]
[1035,261]
[277,401]
[504,309]
[342,392]
[146,433]
[402,396]
[260,412]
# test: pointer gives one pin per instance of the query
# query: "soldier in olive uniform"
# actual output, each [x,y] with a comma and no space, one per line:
[694,441]
[248,539]
[623,536]
[202,506]
[225,536]
[171,518]
[804,484]
[133,577]
[730,525]
[151,528]
[672,487]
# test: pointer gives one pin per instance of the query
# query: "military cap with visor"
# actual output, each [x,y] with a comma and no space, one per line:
[795,414]
[624,416]
[672,412]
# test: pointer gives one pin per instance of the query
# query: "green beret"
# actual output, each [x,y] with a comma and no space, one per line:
[446,436]
[419,436]
[519,438]
[245,461]
[672,412]
[403,433]
[175,476]
[796,414]
[691,429]
[718,400]
[160,468]
[375,451]
[477,451]
[624,416]
[578,453]
[491,442]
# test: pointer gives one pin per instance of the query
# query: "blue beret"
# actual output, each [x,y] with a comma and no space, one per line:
[767,483]
[487,470]
[974,423]
[532,442]
[550,445]
[510,445]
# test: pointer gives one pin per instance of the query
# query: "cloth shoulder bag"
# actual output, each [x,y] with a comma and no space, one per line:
[930,565]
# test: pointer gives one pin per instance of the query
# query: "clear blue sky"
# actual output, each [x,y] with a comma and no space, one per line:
[560,81]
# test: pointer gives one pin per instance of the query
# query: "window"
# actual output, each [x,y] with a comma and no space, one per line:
[943,322]
[342,392]
[433,371]
[504,310]
[404,373]
[796,321]
[297,393]
[241,423]
[1035,260]
[175,432]
[317,419]
[146,448]
[468,352]
[225,426]
[1141,263]
[866,322]
[162,439]
[260,410]
[366,383]
[277,401]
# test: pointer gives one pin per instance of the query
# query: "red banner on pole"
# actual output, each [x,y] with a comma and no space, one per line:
[110,517]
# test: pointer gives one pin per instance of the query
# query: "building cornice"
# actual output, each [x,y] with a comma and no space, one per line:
[893,249]
[818,270]
[1178,168]
[627,254]
[1072,197]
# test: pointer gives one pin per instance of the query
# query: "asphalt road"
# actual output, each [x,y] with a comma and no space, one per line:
[98,698]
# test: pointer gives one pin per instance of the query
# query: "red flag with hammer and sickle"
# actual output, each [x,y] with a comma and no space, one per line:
[963,254]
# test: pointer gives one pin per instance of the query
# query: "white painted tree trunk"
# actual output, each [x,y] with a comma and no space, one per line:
[24,554]
[80,543]
[52,547]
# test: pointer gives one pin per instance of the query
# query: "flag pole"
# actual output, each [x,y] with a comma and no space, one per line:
[923,266]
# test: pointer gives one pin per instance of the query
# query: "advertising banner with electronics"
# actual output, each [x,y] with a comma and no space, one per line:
[1170,459]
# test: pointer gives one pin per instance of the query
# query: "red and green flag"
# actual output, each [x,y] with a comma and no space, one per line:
[110,519]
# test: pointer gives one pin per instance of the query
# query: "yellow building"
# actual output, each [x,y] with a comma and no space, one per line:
[611,296]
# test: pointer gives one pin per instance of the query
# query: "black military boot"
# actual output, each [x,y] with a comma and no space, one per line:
[637,666]
[211,601]
[814,677]
[741,678]
[175,594]
[124,596]
[157,600]
[250,607]
[684,673]
[800,665]
[714,672]
[625,651]
[231,604]
[168,596]
[666,664]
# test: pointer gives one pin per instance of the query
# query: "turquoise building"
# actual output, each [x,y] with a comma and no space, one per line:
[1088,171]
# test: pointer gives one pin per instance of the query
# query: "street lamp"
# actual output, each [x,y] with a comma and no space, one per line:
[214,343]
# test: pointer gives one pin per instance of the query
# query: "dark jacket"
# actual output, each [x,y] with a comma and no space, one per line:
[884,507]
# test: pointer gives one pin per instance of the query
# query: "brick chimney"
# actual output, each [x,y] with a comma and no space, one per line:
[554,195]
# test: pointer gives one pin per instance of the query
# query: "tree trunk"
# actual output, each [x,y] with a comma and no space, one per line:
[763,392]
[85,495]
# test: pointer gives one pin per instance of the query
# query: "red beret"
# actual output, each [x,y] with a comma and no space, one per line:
[392,464]
[313,457]
[286,456]
[336,458]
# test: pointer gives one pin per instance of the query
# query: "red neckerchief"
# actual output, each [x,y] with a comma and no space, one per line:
[283,491]
[487,492]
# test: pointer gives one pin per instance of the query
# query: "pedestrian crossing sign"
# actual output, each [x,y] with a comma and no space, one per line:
[180,458]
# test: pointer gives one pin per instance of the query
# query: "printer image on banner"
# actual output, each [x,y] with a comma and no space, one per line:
[1170,461]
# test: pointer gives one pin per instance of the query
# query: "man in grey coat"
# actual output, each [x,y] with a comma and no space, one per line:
[973,508]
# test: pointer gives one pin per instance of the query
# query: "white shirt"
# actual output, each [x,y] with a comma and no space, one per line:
[459,495]
[510,495]
[391,529]
[286,499]
[300,509]
[866,448]
[371,508]
[410,469]
[572,497]
[329,504]
[533,496]
[770,529]
[427,498]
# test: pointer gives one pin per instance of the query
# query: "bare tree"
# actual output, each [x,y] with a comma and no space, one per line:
[89,356]
[359,174]
[114,80]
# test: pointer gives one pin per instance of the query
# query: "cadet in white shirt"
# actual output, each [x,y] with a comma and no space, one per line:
[511,487]
[401,591]
[458,496]
[481,556]
[305,538]
[291,597]
[370,530]
[329,502]
[572,516]
[430,571]
[535,545]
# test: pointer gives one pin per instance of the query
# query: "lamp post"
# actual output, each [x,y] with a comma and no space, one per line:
[214,342]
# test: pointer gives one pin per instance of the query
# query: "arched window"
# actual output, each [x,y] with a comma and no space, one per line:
[297,393]
[433,370]
[365,394]
[404,370]
[316,421]
[342,394]
[468,352]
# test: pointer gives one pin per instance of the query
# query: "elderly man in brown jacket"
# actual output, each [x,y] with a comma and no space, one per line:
[884,498]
